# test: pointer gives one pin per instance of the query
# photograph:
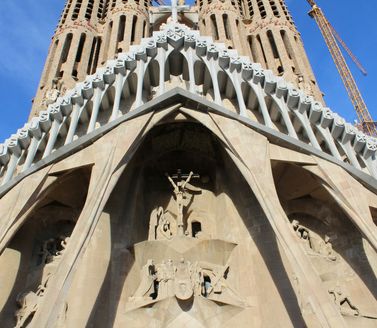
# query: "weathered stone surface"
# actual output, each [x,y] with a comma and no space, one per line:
[185,186]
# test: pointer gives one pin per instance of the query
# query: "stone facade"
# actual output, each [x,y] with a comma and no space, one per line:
[183,185]
[92,31]
[264,31]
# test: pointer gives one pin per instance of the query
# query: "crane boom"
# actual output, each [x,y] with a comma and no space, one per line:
[345,47]
[353,92]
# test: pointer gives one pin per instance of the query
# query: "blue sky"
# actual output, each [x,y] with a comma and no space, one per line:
[26,28]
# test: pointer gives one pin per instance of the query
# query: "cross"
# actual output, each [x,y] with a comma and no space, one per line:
[174,11]
[180,176]
[175,6]
[180,191]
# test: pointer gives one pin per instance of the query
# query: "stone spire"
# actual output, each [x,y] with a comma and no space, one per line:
[89,32]
[263,30]
[92,31]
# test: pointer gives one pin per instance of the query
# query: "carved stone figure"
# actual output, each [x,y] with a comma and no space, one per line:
[63,245]
[28,304]
[183,280]
[183,286]
[180,189]
[323,247]
[301,232]
[314,243]
[52,249]
[48,251]
[165,278]
[147,287]
[343,301]
[52,94]
[161,225]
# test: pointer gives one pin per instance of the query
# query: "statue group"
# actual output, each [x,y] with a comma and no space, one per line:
[181,279]
[188,276]
[49,256]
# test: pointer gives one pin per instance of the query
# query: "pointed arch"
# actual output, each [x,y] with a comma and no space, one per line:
[128,93]
[36,247]
[252,103]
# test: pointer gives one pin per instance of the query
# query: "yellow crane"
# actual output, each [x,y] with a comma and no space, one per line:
[331,36]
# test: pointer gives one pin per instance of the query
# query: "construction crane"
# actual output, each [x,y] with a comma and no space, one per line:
[331,36]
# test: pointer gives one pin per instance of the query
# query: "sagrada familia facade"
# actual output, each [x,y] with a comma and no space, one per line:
[180,169]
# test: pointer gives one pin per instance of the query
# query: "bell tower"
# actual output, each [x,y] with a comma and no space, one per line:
[180,184]
[89,32]
[263,30]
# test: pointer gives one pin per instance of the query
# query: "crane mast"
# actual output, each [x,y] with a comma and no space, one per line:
[330,36]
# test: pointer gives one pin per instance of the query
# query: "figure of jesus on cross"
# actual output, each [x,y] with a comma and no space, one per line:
[180,189]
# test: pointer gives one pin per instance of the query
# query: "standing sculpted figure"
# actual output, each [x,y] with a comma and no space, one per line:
[147,286]
[161,225]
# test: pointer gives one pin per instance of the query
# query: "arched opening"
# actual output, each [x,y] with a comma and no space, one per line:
[327,236]
[91,56]
[227,91]
[34,252]
[214,30]
[175,146]
[203,78]
[226,26]
[275,52]
[252,103]
[79,52]
[128,93]
[133,30]
[275,114]
[261,53]
[64,54]
[122,25]
[51,58]
[176,70]
[96,55]
[145,30]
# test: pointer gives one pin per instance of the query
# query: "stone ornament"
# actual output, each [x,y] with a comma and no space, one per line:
[314,118]
[28,302]
[315,245]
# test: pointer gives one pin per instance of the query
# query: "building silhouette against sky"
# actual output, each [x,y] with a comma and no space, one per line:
[180,169]
[91,32]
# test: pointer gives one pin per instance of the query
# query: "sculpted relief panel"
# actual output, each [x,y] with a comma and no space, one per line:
[30,262]
[174,247]
[183,242]
[333,269]
[182,260]
[49,257]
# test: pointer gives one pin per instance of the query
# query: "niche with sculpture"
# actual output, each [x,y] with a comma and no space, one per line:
[336,249]
[33,256]
[182,238]
[199,272]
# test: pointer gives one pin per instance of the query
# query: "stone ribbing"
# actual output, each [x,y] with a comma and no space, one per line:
[205,69]
[263,30]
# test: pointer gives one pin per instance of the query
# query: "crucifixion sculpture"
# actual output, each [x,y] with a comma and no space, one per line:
[180,188]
